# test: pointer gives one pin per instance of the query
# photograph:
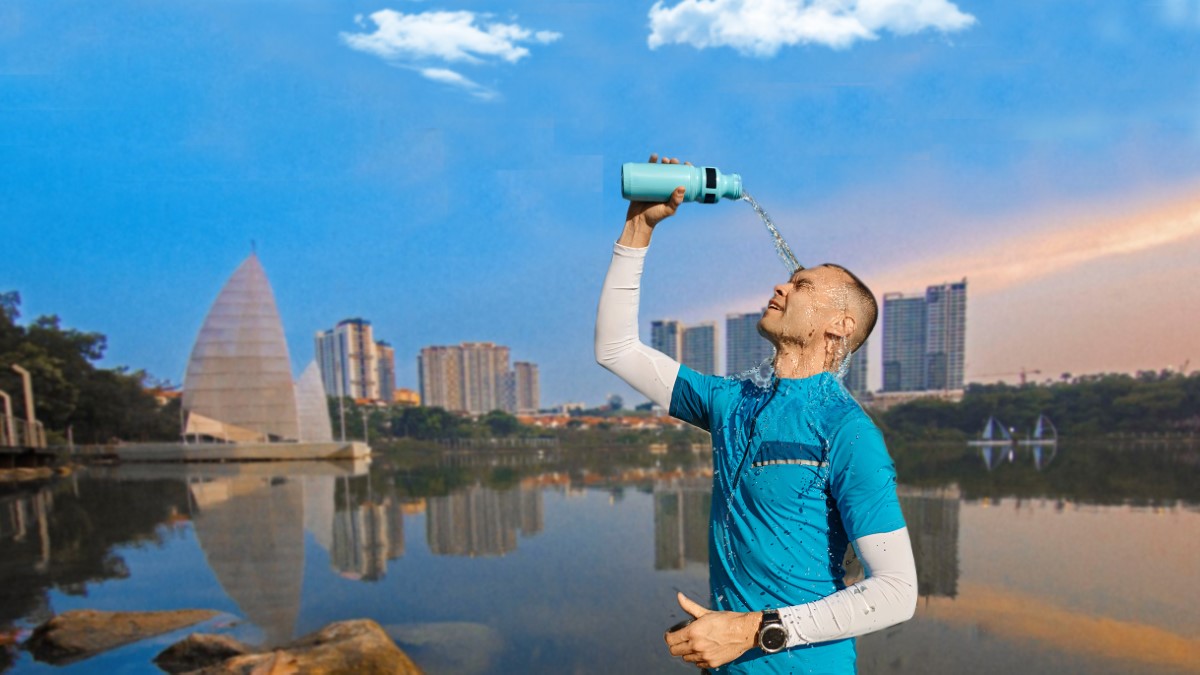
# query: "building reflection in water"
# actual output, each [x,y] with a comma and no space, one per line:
[251,530]
[681,524]
[932,519]
[27,524]
[481,521]
[362,533]
[681,518]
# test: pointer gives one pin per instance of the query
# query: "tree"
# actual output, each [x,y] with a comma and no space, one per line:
[69,390]
[501,423]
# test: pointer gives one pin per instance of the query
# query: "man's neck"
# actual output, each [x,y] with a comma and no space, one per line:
[800,361]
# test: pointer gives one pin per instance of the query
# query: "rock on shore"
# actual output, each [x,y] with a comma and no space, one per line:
[78,634]
[200,650]
[345,647]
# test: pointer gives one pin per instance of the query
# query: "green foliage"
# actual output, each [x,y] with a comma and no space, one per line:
[1149,402]
[392,422]
[97,404]
[501,424]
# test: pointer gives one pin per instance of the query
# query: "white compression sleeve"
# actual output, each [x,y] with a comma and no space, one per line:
[887,596]
[617,345]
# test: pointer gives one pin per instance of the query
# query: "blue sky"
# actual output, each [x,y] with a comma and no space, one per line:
[449,170]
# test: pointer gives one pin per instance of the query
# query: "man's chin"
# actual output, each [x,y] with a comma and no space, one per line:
[766,330]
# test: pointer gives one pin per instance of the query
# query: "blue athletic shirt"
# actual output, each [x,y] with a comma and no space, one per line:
[799,471]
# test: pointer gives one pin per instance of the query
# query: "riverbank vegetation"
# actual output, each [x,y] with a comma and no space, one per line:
[1162,403]
[71,393]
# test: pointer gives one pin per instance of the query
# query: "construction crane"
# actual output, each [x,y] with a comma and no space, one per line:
[1022,373]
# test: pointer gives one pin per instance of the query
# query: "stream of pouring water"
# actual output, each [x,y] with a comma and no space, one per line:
[789,261]
[781,247]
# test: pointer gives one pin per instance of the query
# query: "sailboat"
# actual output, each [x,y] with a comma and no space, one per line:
[1044,433]
[1044,443]
[994,433]
[995,443]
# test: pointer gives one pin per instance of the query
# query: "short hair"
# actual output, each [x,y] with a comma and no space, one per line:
[867,300]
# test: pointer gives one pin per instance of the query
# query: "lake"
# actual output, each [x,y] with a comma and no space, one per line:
[564,561]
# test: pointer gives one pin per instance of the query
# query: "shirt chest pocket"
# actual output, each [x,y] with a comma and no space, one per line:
[801,466]
[785,453]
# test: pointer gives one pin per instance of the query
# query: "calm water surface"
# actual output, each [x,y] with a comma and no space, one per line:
[568,563]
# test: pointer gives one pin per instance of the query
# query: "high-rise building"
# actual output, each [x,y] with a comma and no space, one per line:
[945,335]
[856,375]
[484,373]
[699,347]
[439,377]
[745,349]
[386,370]
[903,342]
[924,339]
[473,377]
[350,361]
[666,336]
[527,392]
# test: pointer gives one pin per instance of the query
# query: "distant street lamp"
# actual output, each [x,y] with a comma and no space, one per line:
[366,435]
[341,395]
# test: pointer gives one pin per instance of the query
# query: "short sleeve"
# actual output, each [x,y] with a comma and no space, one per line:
[692,397]
[863,480]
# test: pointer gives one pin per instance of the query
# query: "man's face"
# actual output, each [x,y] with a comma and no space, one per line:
[805,306]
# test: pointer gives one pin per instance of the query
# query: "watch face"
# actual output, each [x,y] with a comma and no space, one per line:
[773,638]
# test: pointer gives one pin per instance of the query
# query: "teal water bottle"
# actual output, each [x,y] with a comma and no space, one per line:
[644,182]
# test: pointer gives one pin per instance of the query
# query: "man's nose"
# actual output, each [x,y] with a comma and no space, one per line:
[781,290]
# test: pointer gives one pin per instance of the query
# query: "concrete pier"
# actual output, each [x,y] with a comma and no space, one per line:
[237,452]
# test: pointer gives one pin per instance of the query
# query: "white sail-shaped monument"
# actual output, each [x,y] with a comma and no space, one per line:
[238,386]
[313,406]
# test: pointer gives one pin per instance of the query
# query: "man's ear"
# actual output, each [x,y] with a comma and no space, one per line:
[843,326]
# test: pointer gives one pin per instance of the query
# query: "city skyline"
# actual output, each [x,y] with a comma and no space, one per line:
[1050,151]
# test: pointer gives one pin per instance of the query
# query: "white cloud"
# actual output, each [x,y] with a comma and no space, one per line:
[454,79]
[762,27]
[445,36]
[427,41]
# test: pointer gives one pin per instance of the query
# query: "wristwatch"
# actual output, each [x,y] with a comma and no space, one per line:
[772,636]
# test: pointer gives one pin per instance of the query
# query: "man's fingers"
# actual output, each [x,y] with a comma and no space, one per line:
[676,637]
[653,157]
[691,607]
[677,196]
[681,649]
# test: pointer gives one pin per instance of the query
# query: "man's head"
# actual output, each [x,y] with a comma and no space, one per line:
[818,304]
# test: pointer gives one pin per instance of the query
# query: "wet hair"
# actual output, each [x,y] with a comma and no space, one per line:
[866,301]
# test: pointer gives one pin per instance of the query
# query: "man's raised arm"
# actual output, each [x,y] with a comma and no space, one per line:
[618,347]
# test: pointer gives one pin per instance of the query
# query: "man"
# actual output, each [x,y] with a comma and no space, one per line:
[799,470]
